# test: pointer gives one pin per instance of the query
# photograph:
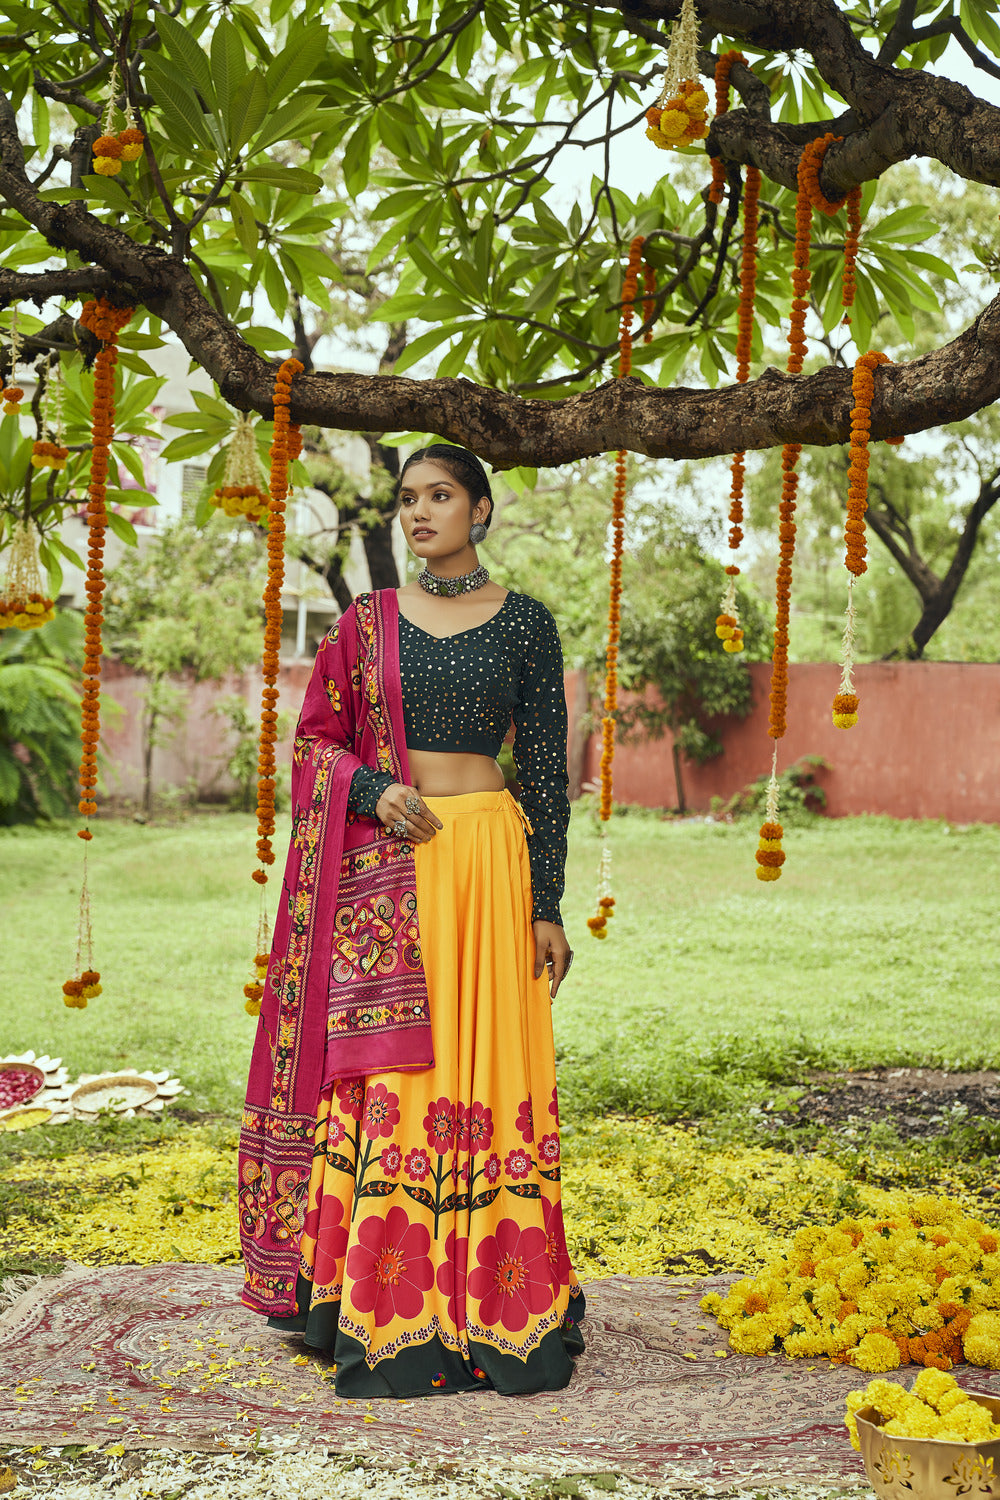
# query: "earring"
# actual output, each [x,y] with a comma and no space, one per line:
[477,534]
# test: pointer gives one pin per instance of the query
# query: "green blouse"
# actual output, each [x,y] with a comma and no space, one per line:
[461,693]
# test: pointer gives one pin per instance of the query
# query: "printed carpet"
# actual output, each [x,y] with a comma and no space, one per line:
[166,1356]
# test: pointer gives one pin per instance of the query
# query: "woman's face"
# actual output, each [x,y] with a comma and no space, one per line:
[436,511]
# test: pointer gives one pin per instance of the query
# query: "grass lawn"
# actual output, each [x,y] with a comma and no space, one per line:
[877,946]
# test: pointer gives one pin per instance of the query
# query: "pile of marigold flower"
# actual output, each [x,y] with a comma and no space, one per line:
[936,1407]
[920,1286]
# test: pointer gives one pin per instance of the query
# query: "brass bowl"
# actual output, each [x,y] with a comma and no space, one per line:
[900,1468]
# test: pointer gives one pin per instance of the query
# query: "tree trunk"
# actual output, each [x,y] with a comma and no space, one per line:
[149,729]
[675,752]
[378,552]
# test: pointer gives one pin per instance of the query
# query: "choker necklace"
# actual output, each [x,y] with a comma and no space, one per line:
[450,587]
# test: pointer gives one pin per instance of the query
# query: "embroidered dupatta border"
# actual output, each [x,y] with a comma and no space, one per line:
[289,1058]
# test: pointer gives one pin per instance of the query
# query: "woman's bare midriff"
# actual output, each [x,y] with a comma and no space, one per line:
[436,774]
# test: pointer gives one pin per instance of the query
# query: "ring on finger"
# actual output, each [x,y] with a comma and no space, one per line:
[412,804]
[399,828]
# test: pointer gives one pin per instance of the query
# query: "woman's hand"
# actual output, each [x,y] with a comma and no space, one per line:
[421,826]
[551,951]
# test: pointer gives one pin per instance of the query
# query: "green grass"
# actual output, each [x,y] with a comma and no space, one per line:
[877,946]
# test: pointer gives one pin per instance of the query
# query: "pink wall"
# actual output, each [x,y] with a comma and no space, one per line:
[927,743]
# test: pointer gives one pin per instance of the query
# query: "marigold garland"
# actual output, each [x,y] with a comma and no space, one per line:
[845,703]
[678,118]
[286,445]
[105,322]
[605,901]
[241,492]
[723,68]
[24,605]
[109,150]
[12,394]
[728,627]
[920,1286]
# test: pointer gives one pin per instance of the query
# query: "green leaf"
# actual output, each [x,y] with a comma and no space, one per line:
[123,530]
[248,110]
[294,179]
[357,154]
[132,459]
[108,191]
[244,221]
[183,116]
[425,342]
[229,65]
[298,118]
[182,46]
[189,446]
[266,340]
[301,58]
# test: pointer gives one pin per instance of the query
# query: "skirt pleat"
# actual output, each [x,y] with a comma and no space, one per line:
[433,1256]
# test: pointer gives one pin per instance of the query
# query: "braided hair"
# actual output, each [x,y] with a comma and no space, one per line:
[461,465]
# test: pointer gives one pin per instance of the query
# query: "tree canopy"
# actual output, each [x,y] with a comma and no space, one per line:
[275,136]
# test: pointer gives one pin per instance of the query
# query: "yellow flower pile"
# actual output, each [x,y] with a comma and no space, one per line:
[920,1285]
[937,1407]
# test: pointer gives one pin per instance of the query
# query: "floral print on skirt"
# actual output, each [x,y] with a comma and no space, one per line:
[433,1255]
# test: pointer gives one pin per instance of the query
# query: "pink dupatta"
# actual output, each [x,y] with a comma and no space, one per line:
[345,993]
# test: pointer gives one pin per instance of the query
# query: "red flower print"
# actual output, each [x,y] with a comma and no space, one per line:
[554,1107]
[451,1278]
[524,1123]
[391,1160]
[335,1132]
[440,1125]
[351,1097]
[417,1165]
[555,1242]
[518,1163]
[491,1167]
[513,1279]
[475,1128]
[381,1113]
[459,1173]
[548,1149]
[390,1267]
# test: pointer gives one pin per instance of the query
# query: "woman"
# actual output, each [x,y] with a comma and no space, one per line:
[399,1174]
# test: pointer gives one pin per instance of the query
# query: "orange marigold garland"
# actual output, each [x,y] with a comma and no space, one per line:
[727,626]
[105,322]
[605,900]
[845,703]
[285,448]
[723,68]
[241,493]
[679,118]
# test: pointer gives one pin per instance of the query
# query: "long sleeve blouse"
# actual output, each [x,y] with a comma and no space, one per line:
[462,692]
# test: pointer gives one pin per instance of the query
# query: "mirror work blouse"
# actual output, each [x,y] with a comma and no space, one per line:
[461,693]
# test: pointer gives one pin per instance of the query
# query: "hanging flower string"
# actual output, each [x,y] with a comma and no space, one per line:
[105,322]
[845,704]
[723,68]
[770,856]
[24,604]
[678,118]
[110,150]
[285,448]
[241,492]
[12,394]
[598,923]
[49,451]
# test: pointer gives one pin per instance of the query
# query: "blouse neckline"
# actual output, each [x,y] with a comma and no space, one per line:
[455,633]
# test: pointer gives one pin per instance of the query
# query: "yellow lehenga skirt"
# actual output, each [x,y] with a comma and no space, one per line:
[433,1254]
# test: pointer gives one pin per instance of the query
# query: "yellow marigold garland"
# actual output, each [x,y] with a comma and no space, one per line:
[110,150]
[285,448]
[24,605]
[679,118]
[920,1286]
[241,492]
[105,321]
[605,900]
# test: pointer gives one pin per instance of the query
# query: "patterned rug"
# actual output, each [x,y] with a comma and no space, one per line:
[166,1356]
